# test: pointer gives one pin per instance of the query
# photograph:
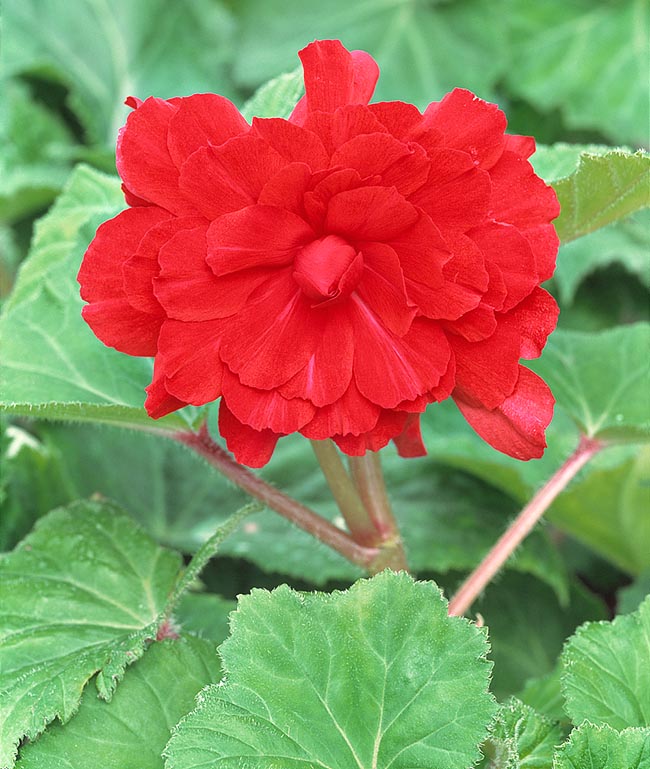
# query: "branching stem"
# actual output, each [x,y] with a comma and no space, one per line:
[522,526]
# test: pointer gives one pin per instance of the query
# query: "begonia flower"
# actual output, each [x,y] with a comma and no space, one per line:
[333,273]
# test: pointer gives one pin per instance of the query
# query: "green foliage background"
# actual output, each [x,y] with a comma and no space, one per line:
[574,74]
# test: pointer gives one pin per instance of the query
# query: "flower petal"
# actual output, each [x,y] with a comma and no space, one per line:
[202,119]
[143,159]
[334,77]
[534,319]
[389,425]
[294,143]
[328,371]
[351,414]
[226,178]
[265,409]
[273,337]
[370,213]
[515,427]
[287,189]
[469,124]
[390,369]
[409,442]
[338,127]
[251,447]
[159,402]
[188,357]
[257,235]
[109,313]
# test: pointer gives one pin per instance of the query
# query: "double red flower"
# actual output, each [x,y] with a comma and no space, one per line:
[333,273]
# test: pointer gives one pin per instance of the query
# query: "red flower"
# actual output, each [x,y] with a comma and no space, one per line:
[332,273]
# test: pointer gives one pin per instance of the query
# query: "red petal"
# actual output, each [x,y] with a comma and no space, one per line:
[457,194]
[351,414]
[507,248]
[516,427]
[257,235]
[251,447]
[327,374]
[227,178]
[400,119]
[469,124]
[336,128]
[422,252]
[140,270]
[159,402]
[201,120]
[409,442]
[382,288]
[265,409]
[370,213]
[188,356]
[403,166]
[389,425]
[295,144]
[520,197]
[475,325]
[334,77]
[287,189]
[534,319]
[317,200]
[390,369]
[189,290]
[487,371]
[544,241]
[273,337]
[143,159]
[109,313]
[524,146]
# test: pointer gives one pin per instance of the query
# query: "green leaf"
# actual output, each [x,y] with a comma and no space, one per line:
[607,676]
[603,189]
[82,593]
[131,730]
[376,676]
[602,380]
[626,243]
[520,738]
[522,647]
[600,747]
[583,53]
[205,615]
[630,598]
[35,156]
[423,51]
[105,52]
[277,98]
[544,694]
[53,365]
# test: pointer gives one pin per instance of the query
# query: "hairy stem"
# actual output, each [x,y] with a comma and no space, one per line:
[345,493]
[521,527]
[289,508]
[369,480]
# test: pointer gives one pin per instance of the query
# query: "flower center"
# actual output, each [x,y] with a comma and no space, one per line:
[328,269]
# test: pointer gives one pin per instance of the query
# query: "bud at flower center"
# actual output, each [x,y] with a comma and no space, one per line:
[327,269]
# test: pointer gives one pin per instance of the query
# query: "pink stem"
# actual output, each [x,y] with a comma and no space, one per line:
[289,508]
[521,527]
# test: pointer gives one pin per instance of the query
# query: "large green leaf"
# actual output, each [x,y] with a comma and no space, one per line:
[105,51]
[588,60]
[52,364]
[607,675]
[601,747]
[374,677]
[131,730]
[602,380]
[82,593]
[603,189]
[277,98]
[423,49]
[520,738]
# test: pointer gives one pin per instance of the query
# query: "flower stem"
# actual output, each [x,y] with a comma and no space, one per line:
[345,493]
[369,480]
[289,508]
[522,526]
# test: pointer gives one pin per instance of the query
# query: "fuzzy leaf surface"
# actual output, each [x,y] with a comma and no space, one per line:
[375,677]
[607,675]
[131,730]
[79,595]
[601,747]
